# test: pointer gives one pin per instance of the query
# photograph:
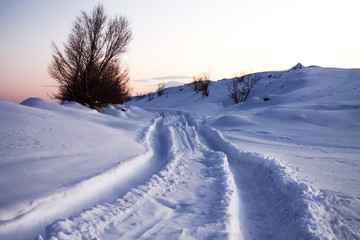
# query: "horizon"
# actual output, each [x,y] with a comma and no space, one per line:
[174,41]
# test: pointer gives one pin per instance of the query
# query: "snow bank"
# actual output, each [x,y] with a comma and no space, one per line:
[65,155]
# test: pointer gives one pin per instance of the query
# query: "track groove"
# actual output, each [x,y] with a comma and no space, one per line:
[190,197]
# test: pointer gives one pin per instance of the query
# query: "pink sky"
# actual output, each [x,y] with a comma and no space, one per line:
[182,38]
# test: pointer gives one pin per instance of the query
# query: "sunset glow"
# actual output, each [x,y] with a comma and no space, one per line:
[174,40]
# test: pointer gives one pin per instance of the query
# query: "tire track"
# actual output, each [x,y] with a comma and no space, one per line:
[204,187]
[192,196]
[104,187]
[275,205]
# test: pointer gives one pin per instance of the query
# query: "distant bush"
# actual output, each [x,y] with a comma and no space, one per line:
[160,90]
[201,83]
[150,96]
[139,96]
[241,87]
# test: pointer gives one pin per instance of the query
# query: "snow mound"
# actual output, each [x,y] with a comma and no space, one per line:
[231,120]
[297,66]
[40,103]
[114,111]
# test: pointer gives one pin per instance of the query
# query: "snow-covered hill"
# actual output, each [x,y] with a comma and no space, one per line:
[184,166]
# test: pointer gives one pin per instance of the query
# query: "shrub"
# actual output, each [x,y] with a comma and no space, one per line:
[234,91]
[140,96]
[201,83]
[241,87]
[160,90]
[150,96]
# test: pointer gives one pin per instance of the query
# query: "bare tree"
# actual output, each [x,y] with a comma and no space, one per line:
[241,86]
[89,70]
[201,83]
[234,91]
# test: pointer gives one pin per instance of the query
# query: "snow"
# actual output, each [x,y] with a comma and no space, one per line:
[56,159]
[184,166]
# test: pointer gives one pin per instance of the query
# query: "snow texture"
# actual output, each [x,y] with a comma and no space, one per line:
[185,166]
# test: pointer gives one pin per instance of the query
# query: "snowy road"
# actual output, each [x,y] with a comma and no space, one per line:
[192,196]
[202,187]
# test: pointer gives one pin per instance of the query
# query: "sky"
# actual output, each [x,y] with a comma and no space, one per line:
[175,40]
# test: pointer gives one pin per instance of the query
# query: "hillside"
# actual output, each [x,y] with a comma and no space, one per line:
[186,166]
